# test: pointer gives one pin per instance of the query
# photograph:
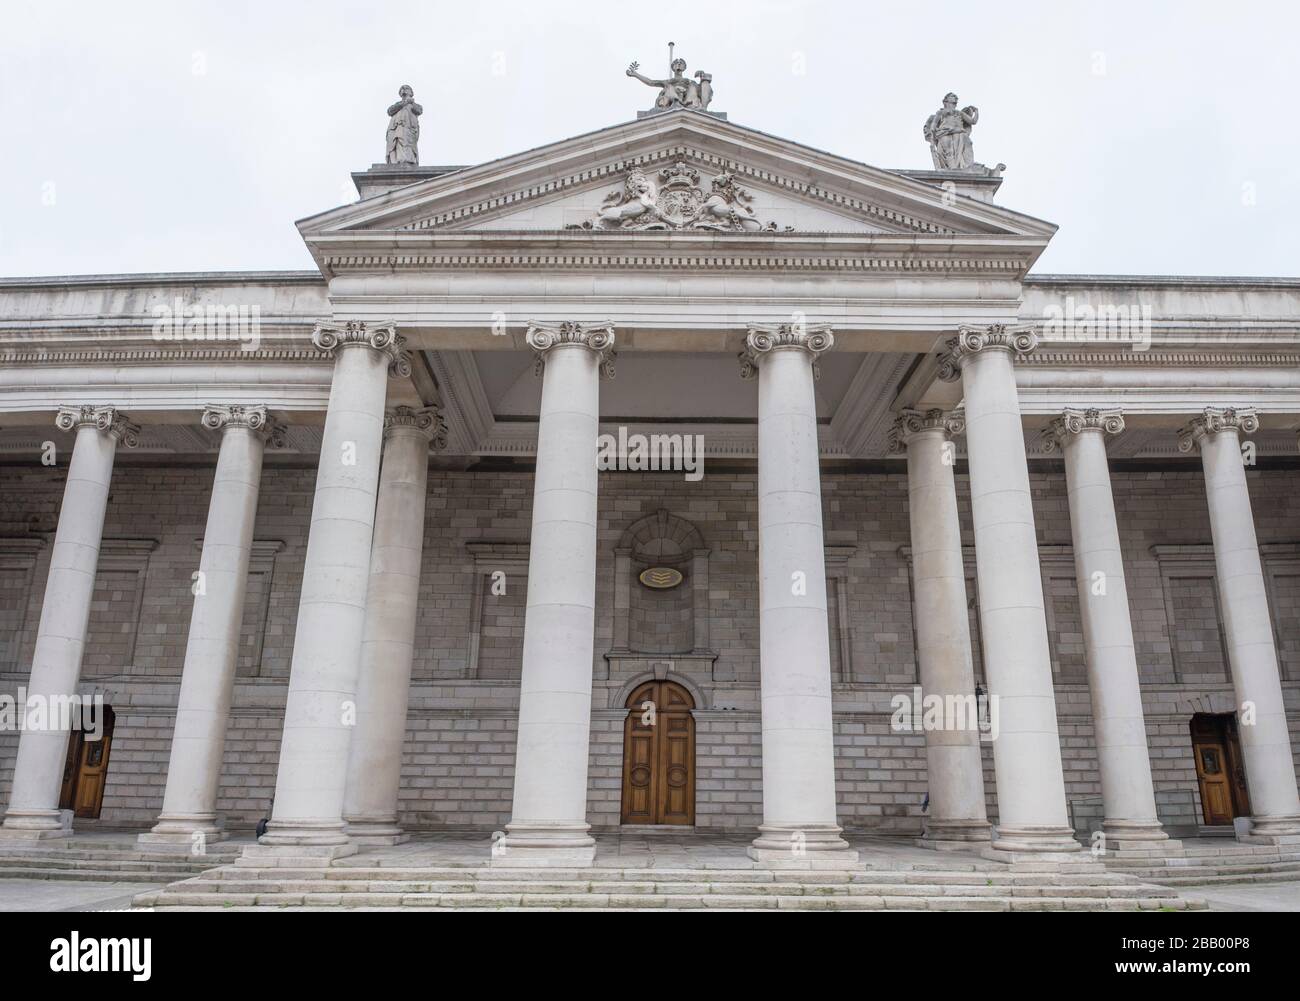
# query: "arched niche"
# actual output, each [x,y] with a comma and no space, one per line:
[658,621]
[653,623]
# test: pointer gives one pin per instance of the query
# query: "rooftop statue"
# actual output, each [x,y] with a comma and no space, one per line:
[404,129]
[948,133]
[678,90]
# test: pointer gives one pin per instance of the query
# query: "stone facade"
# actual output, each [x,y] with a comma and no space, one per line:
[458,757]
[346,528]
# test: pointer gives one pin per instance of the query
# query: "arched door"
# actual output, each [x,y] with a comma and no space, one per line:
[659,756]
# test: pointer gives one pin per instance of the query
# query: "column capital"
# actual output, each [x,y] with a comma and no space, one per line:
[109,420]
[426,421]
[913,422]
[1073,422]
[761,341]
[598,338]
[222,417]
[1019,340]
[1216,420]
[382,337]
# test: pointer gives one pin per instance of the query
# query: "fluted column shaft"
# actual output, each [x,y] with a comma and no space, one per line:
[388,639]
[548,824]
[1032,813]
[799,817]
[1127,791]
[320,708]
[189,812]
[33,810]
[954,764]
[1248,630]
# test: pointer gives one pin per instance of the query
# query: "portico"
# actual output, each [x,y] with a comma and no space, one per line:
[473,603]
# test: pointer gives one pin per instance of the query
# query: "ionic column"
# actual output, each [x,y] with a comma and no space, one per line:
[1127,792]
[307,818]
[1032,814]
[1248,629]
[799,821]
[33,810]
[954,768]
[189,813]
[388,639]
[548,824]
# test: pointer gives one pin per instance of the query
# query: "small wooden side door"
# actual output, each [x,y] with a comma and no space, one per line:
[1216,789]
[86,771]
[1219,768]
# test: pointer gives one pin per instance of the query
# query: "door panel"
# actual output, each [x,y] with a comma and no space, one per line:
[659,756]
[1216,791]
[1219,768]
[86,771]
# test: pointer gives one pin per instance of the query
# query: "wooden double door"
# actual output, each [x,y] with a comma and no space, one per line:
[659,756]
[1219,768]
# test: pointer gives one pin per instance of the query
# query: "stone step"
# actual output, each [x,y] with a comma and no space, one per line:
[1192,874]
[172,898]
[402,887]
[90,875]
[72,857]
[73,866]
[1224,861]
[767,877]
[1229,879]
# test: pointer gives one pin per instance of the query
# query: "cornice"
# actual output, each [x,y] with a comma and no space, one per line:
[1056,358]
[889,261]
[110,354]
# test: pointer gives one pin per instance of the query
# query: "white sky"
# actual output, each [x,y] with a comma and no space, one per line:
[181,136]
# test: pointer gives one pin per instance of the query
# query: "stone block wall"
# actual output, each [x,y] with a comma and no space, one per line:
[458,764]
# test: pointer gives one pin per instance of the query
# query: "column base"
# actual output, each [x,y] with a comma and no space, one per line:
[955,835]
[303,841]
[179,833]
[36,825]
[544,846]
[1267,831]
[383,831]
[1040,849]
[1139,839]
[295,856]
[811,846]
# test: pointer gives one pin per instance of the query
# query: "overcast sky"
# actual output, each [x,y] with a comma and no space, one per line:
[185,136]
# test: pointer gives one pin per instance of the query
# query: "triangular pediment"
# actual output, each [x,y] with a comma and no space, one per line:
[693,164]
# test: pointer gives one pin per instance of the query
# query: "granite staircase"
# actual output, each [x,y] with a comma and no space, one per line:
[300,884]
[1203,862]
[105,861]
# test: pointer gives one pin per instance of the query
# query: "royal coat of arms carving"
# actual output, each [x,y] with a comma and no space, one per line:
[675,200]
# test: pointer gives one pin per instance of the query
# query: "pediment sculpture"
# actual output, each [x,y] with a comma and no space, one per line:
[675,199]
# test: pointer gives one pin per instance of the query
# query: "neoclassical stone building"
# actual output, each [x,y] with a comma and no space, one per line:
[335,548]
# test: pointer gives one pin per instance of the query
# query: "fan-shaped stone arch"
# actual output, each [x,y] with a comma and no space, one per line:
[662,537]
